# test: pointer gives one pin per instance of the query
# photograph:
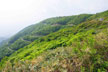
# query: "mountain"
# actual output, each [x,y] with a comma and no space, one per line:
[100,15]
[2,39]
[76,43]
[33,32]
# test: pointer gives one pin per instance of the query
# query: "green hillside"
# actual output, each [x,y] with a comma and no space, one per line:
[103,15]
[63,44]
[33,32]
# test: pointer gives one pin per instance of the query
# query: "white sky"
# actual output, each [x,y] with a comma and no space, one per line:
[17,14]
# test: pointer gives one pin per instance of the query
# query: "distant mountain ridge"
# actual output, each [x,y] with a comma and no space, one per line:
[2,39]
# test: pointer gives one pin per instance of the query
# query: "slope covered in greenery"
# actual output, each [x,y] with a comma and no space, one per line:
[82,47]
[86,44]
[103,15]
[33,32]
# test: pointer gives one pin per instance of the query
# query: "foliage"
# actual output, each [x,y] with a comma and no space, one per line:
[61,48]
[33,32]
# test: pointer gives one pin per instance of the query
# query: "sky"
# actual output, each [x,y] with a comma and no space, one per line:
[18,14]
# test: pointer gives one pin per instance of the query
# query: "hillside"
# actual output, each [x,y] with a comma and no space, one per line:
[100,15]
[33,32]
[63,44]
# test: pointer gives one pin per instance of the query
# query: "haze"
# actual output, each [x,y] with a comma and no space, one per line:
[17,14]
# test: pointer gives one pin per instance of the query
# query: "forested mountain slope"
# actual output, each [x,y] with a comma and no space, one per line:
[79,45]
[33,32]
[97,16]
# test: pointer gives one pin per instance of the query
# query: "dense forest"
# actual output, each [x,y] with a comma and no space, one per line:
[77,43]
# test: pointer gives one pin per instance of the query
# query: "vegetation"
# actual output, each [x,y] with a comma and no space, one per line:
[33,32]
[59,47]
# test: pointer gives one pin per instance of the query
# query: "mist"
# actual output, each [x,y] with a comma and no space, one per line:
[18,14]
